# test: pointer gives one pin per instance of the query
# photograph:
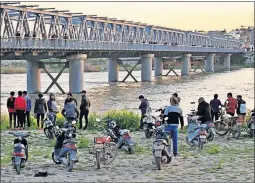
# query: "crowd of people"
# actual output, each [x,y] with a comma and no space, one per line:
[208,112]
[19,109]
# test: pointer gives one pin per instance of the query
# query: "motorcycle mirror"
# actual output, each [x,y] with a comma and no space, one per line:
[98,120]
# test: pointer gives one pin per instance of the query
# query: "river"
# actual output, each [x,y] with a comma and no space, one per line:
[105,96]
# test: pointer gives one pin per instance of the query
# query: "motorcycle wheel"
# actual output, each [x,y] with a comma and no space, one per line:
[210,136]
[220,124]
[18,169]
[70,166]
[147,133]
[158,163]
[114,152]
[131,150]
[252,133]
[55,160]
[98,159]
[201,146]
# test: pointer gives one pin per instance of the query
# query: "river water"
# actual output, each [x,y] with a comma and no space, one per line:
[105,96]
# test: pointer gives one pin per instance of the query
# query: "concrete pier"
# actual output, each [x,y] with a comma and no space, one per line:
[146,69]
[76,72]
[186,65]
[113,70]
[158,66]
[227,61]
[33,77]
[209,63]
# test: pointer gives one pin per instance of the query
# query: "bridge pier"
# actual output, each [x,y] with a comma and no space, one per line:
[33,76]
[158,66]
[146,69]
[113,70]
[186,65]
[76,72]
[227,61]
[209,63]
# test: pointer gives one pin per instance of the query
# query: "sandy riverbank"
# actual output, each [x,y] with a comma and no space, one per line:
[221,161]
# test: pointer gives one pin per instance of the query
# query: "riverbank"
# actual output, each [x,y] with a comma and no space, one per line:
[221,161]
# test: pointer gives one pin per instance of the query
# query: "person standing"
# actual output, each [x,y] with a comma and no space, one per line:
[84,109]
[215,104]
[241,107]
[40,109]
[52,106]
[11,110]
[28,109]
[230,104]
[143,107]
[20,107]
[174,114]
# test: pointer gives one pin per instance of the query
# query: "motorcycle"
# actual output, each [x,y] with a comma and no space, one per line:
[150,123]
[69,145]
[104,149]
[162,146]
[196,133]
[251,124]
[228,125]
[51,130]
[20,150]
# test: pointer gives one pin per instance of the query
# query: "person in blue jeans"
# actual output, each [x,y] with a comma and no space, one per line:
[174,114]
[28,109]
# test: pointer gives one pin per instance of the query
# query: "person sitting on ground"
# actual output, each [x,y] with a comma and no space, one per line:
[174,114]
[175,95]
[143,107]
[230,104]
[52,107]
[215,104]
[241,107]
[70,95]
[204,110]
[70,112]
[40,109]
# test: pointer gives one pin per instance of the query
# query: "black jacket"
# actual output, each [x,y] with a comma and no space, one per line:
[204,110]
[85,103]
[239,102]
[143,106]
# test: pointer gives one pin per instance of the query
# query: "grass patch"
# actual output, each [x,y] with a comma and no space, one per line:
[214,149]
[84,143]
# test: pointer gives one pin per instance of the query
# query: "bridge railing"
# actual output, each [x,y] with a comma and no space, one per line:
[62,44]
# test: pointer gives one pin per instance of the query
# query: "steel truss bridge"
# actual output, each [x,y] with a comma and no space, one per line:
[31,27]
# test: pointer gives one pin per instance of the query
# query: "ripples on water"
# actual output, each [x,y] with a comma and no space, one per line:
[105,96]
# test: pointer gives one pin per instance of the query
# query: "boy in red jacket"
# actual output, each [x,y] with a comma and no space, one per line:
[20,106]
[11,109]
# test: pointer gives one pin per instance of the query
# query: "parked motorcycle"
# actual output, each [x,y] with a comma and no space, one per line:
[149,125]
[251,124]
[51,130]
[104,149]
[20,150]
[69,145]
[162,146]
[196,133]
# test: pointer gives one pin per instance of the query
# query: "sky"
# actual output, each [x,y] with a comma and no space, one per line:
[181,15]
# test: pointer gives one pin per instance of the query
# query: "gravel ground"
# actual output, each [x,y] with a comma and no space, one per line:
[221,161]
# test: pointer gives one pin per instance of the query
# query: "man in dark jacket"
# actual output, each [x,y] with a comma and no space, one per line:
[84,109]
[70,112]
[204,110]
[11,110]
[143,107]
[40,109]
[215,104]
